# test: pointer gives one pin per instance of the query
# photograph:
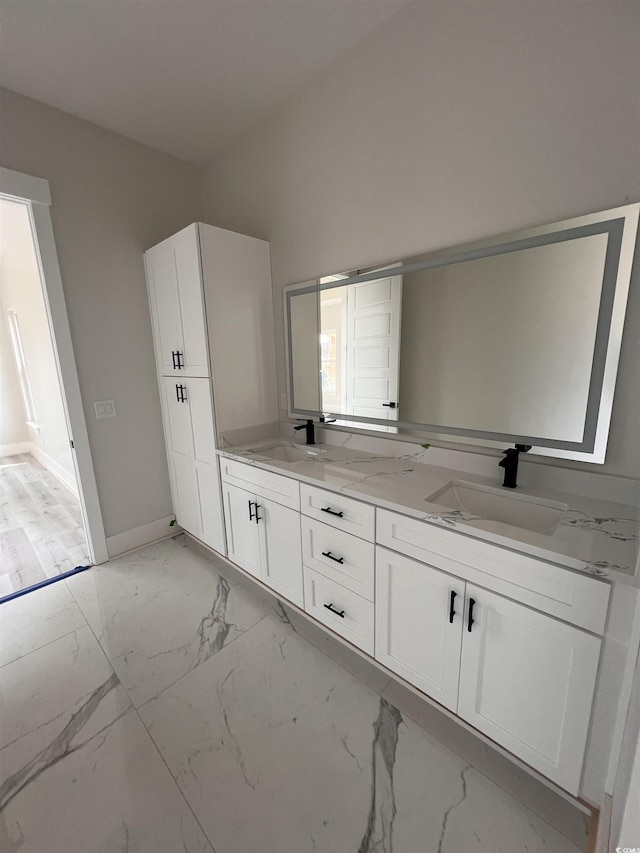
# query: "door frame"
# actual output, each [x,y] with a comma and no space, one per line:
[35,194]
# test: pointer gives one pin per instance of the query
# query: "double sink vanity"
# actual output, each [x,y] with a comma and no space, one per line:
[475,595]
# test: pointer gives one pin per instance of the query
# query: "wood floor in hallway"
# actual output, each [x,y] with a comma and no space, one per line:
[41,531]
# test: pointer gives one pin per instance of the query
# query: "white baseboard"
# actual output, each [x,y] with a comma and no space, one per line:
[55,468]
[137,537]
[15,449]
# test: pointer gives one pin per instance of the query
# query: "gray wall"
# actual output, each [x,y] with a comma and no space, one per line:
[460,121]
[112,199]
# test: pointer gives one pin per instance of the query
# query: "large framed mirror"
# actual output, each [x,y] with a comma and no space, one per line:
[515,339]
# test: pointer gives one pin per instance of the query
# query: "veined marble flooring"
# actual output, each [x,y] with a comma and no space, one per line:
[161,703]
[41,530]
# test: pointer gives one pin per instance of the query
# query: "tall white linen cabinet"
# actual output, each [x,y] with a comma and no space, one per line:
[212,316]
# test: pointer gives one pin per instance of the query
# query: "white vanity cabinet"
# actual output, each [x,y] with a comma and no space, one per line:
[506,665]
[263,536]
[507,642]
[212,319]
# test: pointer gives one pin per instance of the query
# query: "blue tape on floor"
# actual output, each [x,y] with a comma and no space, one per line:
[46,582]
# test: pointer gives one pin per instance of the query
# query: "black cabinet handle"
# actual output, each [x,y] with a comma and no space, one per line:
[331,511]
[180,360]
[331,557]
[180,395]
[452,611]
[250,511]
[390,405]
[258,517]
[472,601]
[173,358]
[339,613]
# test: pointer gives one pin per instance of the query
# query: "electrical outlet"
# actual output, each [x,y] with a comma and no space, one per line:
[105,409]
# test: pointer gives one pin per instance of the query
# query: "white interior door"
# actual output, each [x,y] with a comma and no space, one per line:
[419,614]
[281,550]
[373,349]
[243,540]
[527,681]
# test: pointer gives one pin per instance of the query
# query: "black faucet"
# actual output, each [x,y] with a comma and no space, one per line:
[309,427]
[510,464]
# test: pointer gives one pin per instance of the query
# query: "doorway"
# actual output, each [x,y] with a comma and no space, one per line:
[50,519]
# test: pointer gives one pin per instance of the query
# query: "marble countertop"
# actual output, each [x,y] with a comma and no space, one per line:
[595,536]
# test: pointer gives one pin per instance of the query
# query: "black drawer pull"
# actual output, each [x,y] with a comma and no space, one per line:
[173,358]
[339,613]
[180,359]
[258,517]
[331,511]
[181,396]
[471,619]
[390,405]
[331,557]
[452,611]
[250,511]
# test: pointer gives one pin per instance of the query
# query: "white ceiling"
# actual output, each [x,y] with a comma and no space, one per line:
[184,76]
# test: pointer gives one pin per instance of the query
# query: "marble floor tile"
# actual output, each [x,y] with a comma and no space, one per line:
[280,750]
[270,743]
[35,619]
[160,612]
[78,771]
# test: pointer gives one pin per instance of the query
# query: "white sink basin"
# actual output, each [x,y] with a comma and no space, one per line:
[292,453]
[504,505]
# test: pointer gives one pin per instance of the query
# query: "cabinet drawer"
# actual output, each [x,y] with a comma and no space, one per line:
[339,556]
[265,484]
[357,619]
[334,509]
[568,595]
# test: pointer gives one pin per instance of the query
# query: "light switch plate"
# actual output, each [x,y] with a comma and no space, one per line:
[105,409]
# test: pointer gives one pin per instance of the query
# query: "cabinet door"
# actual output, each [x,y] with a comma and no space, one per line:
[281,549]
[164,302]
[527,681]
[243,540]
[210,498]
[186,499]
[176,408]
[419,624]
[177,305]
[191,296]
